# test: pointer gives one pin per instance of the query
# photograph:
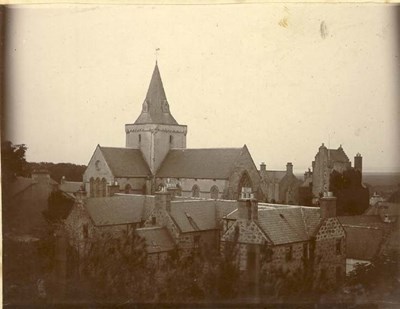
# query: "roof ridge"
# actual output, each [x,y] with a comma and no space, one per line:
[185,149]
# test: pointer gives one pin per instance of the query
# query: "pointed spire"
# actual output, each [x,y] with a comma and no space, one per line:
[155,106]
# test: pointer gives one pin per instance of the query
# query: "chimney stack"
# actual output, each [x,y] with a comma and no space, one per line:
[247,205]
[328,205]
[358,162]
[289,168]
[163,200]
[263,167]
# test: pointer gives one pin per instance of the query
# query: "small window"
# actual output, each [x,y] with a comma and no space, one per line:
[338,246]
[289,253]
[140,138]
[85,230]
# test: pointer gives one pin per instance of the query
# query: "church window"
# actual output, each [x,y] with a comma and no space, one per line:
[145,107]
[97,165]
[195,191]
[103,187]
[128,188]
[244,182]
[140,138]
[97,187]
[214,192]
[171,139]
[91,184]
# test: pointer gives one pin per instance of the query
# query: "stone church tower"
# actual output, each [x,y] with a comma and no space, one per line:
[155,131]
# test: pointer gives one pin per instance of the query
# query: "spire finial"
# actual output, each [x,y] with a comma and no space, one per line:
[157,50]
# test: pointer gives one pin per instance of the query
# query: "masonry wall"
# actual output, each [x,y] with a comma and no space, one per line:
[204,185]
[329,260]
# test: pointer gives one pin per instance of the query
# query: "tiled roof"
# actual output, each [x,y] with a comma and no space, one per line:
[361,220]
[225,207]
[125,162]
[155,99]
[338,155]
[272,175]
[286,223]
[18,185]
[70,186]
[115,210]
[362,242]
[214,163]
[191,216]
[283,225]
[157,239]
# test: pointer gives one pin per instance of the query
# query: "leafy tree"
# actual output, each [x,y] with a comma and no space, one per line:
[13,161]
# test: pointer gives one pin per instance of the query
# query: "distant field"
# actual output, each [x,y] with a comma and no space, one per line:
[382,179]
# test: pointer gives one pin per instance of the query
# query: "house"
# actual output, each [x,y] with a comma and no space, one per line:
[280,186]
[332,171]
[23,202]
[366,238]
[291,239]
[155,155]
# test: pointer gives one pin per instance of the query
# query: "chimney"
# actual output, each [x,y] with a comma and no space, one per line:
[62,179]
[163,200]
[313,165]
[247,205]
[358,162]
[263,167]
[289,168]
[328,205]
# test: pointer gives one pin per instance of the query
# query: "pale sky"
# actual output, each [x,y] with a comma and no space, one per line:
[281,79]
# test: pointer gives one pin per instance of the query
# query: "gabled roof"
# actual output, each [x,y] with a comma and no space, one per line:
[157,239]
[286,223]
[116,210]
[337,155]
[125,162]
[156,112]
[363,242]
[272,175]
[192,216]
[213,163]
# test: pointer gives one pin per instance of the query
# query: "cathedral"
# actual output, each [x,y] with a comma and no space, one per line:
[155,158]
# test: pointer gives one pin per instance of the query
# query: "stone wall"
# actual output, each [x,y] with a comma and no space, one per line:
[330,253]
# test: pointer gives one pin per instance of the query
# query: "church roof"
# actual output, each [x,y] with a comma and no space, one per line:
[155,106]
[115,210]
[213,163]
[125,162]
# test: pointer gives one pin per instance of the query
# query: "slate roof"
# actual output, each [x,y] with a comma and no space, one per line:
[225,207]
[18,185]
[361,220]
[362,242]
[286,223]
[125,162]
[272,175]
[192,216]
[157,239]
[70,186]
[155,99]
[213,163]
[338,155]
[116,210]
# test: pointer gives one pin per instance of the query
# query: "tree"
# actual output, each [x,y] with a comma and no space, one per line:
[59,206]
[13,161]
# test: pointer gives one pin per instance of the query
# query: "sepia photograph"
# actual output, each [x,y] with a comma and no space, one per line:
[200,155]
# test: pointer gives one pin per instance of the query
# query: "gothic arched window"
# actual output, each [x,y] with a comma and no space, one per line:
[103,187]
[128,188]
[97,187]
[195,191]
[179,190]
[214,191]
[91,186]
[244,182]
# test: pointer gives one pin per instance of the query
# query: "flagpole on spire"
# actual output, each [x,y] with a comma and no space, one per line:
[157,50]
